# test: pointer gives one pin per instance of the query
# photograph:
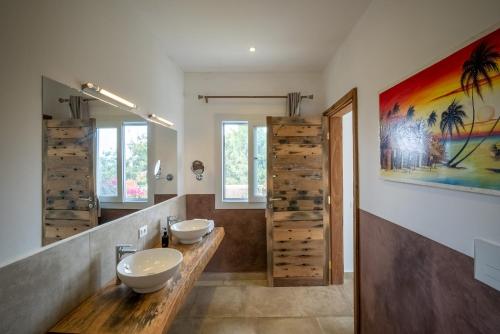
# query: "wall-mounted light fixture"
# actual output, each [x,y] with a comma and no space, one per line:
[106,96]
[160,120]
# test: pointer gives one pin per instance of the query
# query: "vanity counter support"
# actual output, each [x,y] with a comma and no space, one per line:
[118,309]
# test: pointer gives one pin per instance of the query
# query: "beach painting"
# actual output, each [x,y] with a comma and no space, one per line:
[440,127]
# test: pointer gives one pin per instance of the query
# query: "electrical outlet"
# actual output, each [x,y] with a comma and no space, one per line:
[143,231]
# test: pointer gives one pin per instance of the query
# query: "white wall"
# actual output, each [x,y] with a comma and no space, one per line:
[347,192]
[393,40]
[200,117]
[71,42]
[164,148]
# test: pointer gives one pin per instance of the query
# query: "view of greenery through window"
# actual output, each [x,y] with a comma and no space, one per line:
[136,162]
[235,155]
[260,160]
[107,169]
[135,165]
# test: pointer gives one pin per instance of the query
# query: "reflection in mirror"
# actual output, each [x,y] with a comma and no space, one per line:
[98,162]
[157,169]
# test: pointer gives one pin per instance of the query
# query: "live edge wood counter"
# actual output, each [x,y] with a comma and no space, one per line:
[117,309]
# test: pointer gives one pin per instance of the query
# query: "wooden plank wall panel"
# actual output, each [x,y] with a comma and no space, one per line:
[297,244]
[67,178]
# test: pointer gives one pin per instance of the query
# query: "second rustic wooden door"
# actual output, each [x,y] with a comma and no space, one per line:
[296,219]
[69,199]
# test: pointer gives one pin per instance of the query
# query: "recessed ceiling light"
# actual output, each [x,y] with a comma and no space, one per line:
[252,49]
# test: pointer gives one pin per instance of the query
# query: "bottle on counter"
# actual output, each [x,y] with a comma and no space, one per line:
[164,238]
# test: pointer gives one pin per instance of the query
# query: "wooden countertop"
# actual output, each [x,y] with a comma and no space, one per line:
[117,309]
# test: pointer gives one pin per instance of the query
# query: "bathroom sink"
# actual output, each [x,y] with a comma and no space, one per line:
[191,231]
[149,270]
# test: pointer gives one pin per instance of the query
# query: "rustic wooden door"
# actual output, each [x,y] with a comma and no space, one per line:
[297,219]
[69,199]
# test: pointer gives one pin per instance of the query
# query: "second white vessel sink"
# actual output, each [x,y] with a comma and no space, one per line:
[149,270]
[191,231]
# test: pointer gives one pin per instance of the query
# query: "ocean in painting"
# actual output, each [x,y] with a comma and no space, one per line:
[478,171]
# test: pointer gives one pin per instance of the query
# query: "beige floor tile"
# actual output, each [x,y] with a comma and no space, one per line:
[209,283]
[337,325]
[222,305]
[214,326]
[288,326]
[324,301]
[219,301]
[233,276]
[245,283]
[271,302]
[188,305]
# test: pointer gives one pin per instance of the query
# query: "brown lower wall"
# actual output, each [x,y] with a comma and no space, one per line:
[108,215]
[411,284]
[244,246]
[158,198]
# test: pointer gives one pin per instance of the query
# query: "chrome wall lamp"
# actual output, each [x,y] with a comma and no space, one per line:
[106,96]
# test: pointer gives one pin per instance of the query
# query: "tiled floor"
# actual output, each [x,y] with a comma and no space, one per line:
[241,304]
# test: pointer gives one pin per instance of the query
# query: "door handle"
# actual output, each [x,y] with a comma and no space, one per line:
[276,199]
[92,202]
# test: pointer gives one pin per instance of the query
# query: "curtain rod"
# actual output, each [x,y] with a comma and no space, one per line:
[206,97]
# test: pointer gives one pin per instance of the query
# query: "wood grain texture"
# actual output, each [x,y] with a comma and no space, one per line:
[68,180]
[117,309]
[336,201]
[297,130]
[296,201]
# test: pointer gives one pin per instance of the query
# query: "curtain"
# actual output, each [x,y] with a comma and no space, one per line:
[79,107]
[293,104]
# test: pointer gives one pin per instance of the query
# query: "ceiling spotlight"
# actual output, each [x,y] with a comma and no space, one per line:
[252,49]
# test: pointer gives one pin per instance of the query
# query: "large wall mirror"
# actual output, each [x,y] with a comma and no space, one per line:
[99,162]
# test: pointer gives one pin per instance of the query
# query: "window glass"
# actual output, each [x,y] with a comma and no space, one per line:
[235,160]
[260,160]
[107,162]
[135,150]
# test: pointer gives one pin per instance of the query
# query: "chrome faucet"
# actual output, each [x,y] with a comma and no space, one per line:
[120,252]
[171,220]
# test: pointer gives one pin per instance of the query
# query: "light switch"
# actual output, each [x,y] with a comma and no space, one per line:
[487,262]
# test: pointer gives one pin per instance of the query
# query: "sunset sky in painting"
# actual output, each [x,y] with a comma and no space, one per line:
[436,86]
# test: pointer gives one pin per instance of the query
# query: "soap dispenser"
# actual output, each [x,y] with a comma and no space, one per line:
[164,237]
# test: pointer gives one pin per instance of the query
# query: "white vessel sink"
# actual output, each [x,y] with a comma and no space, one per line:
[191,231]
[149,270]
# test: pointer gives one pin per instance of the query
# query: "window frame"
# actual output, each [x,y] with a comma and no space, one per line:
[253,202]
[119,201]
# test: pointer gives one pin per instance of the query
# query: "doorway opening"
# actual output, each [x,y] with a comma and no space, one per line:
[343,191]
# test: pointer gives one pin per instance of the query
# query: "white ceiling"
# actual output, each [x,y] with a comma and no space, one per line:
[215,35]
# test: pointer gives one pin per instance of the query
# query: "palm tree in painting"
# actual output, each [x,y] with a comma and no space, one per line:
[475,71]
[432,119]
[394,110]
[410,113]
[452,119]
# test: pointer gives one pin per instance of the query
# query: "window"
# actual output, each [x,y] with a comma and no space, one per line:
[243,152]
[107,166]
[135,162]
[122,157]
[235,161]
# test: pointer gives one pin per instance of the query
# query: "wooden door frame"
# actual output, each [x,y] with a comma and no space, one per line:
[338,109]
